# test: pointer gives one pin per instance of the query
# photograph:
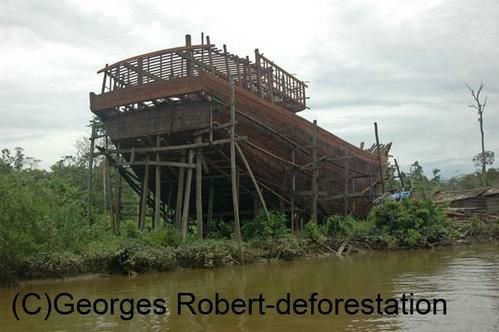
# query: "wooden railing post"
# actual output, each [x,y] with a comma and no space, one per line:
[258,73]
[227,67]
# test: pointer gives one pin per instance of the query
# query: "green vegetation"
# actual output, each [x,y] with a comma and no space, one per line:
[44,229]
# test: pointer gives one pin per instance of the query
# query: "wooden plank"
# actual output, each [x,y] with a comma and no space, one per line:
[144,92]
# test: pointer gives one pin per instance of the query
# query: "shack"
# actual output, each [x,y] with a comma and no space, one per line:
[480,200]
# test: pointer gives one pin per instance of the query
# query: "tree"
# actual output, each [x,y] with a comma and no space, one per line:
[480,107]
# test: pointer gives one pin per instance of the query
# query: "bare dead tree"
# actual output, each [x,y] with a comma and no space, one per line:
[480,107]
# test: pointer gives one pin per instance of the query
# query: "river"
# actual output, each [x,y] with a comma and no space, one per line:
[466,277]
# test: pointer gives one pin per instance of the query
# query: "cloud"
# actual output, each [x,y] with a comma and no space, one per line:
[403,66]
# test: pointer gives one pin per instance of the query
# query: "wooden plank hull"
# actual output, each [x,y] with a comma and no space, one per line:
[347,174]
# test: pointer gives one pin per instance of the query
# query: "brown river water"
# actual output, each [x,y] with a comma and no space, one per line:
[466,277]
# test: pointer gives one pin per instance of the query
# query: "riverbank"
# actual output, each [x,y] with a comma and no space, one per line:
[405,225]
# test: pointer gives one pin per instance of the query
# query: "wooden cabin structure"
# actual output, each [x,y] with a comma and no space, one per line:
[200,133]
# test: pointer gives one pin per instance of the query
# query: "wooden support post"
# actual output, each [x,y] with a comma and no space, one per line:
[157,189]
[345,192]
[180,193]
[249,83]
[235,201]
[104,180]
[187,196]
[398,173]
[211,196]
[109,189]
[379,158]
[315,189]
[271,85]
[253,179]
[144,196]
[227,67]
[210,57]
[90,172]
[238,68]
[199,190]
[293,189]
[211,123]
[119,204]
[189,67]
[258,73]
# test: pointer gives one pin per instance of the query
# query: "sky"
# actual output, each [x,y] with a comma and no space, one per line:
[400,63]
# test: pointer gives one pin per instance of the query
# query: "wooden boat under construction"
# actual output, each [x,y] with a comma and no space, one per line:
[201,133]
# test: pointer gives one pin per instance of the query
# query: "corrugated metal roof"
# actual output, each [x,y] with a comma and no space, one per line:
[450,196]
[492,191]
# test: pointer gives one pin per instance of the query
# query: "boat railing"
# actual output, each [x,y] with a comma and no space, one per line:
[261,76]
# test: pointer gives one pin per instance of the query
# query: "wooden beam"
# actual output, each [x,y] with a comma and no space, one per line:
[199,190]
[180,191]
[175,147]
[144,196]
[315,189]
[187,196]
[379,157]
[235,201]
[253,179]
[157,191]
[157,163]
[90,172]
[211,195]
[293,189]
[347,182]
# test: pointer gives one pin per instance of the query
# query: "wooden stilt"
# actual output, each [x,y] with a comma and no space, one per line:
[119,203]
[293,189]
[157,190]
[199,190]
[235,201]
[109,192]
[180,193]
[187,196]
[347,182]
[381,173]
[315,190]
[253,179]
[90,172]
[211,195]
[143,197]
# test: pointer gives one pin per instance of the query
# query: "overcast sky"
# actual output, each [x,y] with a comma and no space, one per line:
[403,66]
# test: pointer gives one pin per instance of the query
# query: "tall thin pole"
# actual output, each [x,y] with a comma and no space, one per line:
[187,196]
[180,193]
[293,189]
[90,172]
[315,191]
[157,189]
[144,196]
[235,201]
[379,158]
[199,190]
[253,179]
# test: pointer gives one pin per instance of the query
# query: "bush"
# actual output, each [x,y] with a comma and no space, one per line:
[410,223]
[207,253]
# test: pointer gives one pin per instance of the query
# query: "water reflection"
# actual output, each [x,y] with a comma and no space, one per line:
[468,278]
